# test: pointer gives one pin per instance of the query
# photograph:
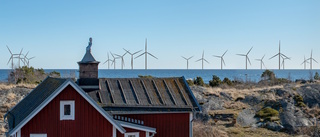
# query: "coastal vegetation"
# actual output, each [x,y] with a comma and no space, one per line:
[29,75]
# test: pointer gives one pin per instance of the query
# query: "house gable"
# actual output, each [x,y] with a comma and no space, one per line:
[52,96]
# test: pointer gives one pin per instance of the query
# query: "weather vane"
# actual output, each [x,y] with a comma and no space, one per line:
[89,45]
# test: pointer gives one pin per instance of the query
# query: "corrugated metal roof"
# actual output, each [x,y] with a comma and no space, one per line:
[156,94]
[33,100]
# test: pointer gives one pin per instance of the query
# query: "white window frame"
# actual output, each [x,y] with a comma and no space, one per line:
[38,135]
[72,109]
[136,134]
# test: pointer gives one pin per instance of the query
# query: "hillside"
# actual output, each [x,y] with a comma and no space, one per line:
[255,110]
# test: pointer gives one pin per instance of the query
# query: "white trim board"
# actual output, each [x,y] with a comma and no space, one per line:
[57,92]
[137,127]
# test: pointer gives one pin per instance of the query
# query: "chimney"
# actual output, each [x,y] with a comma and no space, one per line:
[88,71]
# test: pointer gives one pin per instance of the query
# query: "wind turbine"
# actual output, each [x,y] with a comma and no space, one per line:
[279,54]
[114,60]
[122,60]
[187,60]
[261,62]
[202,59]
[28,60]
[108,60]
[305,61]
[247,58]
[18,56]
[132,56]
[283,59]
[311,59]
[146,55]
[221,57]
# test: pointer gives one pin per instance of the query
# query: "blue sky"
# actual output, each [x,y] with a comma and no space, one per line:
[57,32]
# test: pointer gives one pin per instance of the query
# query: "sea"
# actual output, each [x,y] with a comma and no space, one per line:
[232,74]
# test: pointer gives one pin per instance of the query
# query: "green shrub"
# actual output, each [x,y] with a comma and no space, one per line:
[316,76]
[268,75]
[227,81]
[198,81]
[145,76]
[299,101]
[267,112]
[190,82]
[215,81]
[54,74]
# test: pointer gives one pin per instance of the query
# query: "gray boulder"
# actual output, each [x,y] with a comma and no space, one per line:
[274,126]
[246,118]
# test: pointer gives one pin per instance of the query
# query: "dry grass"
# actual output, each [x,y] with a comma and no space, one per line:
[253,132]
[4,86]
[238,93]
[202,130]
[11,96]
[2,130]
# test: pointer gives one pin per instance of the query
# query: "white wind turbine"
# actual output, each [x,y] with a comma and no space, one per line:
[202,59]
[221,57]
[132,56]
[187,60]
[283,59]
[114,60]
[247,58]
[311,59]
[261,62]
[108,60]
[305,61]
[146,53]
[18,56]
[122,60]
[280,55]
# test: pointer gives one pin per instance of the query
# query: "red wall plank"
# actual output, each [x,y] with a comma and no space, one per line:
[88,121]
[167,124]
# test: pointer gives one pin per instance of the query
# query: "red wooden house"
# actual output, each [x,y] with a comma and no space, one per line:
[104,107]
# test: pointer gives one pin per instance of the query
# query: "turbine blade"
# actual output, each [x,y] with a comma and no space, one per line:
[152,55]
[198,60]
[315,60]
[284,55]
[184,57]
[274,56]
[136,52]
[249,60]
[216,56]
[223,62]
[224,53]
[21,51]
[117,55]
[190,57]
[249,50]
[263,57]
[206,61]
[9,60]
[9,50]
[241,55]
[127,51]
[139,55]
[31,58]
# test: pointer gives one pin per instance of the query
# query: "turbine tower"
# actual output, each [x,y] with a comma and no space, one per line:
[261,62]
[146,53]
[26,60]
[247,58]
[132,56]
[202,59]
[221,57]
[305,61]
[279,54]
[122,60]
[187,60]
[311,59]
[108,60]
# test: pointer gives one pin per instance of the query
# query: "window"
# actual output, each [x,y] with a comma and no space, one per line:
[66,110]
[38,135]
[133,134]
